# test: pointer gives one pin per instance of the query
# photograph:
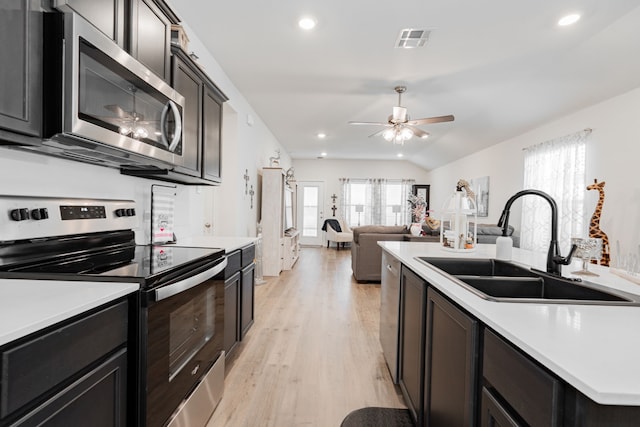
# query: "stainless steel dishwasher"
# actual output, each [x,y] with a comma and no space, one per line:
[390,312]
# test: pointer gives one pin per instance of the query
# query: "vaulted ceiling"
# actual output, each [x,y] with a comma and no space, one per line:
[502,67]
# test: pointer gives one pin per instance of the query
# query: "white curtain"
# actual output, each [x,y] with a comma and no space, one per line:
[556,167]
[371,193]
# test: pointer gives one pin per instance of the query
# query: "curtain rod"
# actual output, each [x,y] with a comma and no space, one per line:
[587,131]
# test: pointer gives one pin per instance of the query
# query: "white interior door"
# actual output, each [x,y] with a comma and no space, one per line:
[310,212]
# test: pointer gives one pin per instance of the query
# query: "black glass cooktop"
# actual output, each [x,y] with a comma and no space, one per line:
[137,262]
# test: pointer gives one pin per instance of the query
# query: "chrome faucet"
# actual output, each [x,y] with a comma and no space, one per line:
[554,259]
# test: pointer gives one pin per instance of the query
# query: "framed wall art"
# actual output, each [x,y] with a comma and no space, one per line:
[422,191]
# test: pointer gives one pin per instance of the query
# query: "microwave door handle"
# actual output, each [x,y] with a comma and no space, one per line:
[178,131]
[188,283]
[163,127]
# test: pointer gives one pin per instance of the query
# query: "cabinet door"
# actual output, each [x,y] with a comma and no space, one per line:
[105,15]
[150,37]
[247,299]
[451,356]
[212,119]
[98,399]
[21,71]
[493,414]
[189,85]
[412,338]
[231,313]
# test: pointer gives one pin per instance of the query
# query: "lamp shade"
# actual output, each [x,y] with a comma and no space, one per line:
[395,208]
[359,208]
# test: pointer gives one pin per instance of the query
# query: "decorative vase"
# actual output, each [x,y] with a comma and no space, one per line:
[415,229]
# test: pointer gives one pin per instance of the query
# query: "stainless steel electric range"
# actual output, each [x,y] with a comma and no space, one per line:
[180,321]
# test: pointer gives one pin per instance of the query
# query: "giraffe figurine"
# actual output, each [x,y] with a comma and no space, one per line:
[594,224]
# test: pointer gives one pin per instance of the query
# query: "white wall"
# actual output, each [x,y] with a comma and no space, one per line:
[330,172]
[247,146]
[613,154]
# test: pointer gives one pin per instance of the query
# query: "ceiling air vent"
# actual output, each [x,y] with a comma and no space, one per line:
[411,38]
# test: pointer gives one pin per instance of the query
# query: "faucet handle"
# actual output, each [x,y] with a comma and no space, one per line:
[565,260]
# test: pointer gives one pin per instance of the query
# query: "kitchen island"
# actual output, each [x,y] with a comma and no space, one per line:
[592,348]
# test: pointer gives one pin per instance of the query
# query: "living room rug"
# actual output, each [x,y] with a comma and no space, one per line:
[378,417]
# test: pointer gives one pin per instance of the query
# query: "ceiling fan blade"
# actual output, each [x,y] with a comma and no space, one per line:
[417,131]
[120,112]
[380,132]
[369,123]
[428,120]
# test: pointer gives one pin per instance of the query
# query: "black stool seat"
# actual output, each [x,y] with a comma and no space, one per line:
[378,417]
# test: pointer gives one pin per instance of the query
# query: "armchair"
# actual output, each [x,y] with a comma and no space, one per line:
[343,236]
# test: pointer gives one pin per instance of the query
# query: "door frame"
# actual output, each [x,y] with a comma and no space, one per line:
[306,240]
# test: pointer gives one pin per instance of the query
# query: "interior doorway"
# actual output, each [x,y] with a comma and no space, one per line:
[311,212]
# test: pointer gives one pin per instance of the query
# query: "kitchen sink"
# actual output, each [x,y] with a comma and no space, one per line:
[504,281]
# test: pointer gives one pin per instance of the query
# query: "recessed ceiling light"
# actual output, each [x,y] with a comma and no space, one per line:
[323,154]
[569,20]
[425,136]
[322,135]
[400,155]
[307,23]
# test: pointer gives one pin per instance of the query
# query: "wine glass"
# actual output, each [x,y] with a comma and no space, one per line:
[587,249]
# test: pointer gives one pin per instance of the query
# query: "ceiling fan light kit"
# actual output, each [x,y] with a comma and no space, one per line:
[399,127]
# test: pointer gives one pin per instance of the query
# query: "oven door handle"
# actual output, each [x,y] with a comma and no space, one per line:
[181,286]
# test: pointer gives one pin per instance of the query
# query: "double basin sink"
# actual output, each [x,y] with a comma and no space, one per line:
[504,281]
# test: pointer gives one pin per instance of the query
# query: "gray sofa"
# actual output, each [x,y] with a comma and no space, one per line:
[366,254]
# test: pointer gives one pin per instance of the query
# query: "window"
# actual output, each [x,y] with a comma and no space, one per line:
[556,167]
[375,201]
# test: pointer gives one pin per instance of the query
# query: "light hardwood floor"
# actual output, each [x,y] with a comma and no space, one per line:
[312,355]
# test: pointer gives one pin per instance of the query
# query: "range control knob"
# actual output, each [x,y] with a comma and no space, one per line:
[121,212]
[131,212]
[19,214]
[40,213]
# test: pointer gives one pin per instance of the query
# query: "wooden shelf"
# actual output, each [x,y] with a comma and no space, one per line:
[279,251]
[290,249]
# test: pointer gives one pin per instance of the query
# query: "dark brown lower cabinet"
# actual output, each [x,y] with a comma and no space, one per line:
[71,374]
[493,414]
[451,364]
[247,299]
[413,293]
[239,294]
[231,310]
[533,395]
[97,399]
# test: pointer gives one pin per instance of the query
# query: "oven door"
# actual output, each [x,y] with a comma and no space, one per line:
[113,100]
[184,337]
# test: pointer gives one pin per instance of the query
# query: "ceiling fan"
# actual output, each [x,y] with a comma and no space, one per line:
[398,126]
[130,123]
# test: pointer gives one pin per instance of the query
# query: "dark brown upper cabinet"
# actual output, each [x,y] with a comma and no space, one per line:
[150,37]
[106,15]
[21,71]
[201,141]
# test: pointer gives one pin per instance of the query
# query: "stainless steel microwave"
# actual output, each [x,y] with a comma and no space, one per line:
[103,106]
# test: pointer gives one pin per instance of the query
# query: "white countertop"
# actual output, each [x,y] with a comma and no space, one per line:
[228,243]
[27,306]
[594,348]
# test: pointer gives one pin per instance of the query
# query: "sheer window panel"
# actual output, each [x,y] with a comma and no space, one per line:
[558,168]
